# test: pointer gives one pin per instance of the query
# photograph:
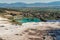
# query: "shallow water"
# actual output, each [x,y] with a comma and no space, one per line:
[55,33]
[24,20]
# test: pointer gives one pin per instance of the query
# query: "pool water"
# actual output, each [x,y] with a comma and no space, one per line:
[24,20]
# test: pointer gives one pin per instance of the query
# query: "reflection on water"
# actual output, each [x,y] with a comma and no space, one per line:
[55,33]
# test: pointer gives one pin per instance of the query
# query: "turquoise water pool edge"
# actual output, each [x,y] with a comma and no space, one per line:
[24,20]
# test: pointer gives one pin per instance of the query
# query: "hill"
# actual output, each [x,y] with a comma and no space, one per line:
[19,4]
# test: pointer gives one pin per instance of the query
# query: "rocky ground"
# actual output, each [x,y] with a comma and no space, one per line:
[29,31]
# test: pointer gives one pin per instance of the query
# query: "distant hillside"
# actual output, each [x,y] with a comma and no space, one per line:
[19,4]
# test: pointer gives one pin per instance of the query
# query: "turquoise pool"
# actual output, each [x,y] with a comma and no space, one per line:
[24,20]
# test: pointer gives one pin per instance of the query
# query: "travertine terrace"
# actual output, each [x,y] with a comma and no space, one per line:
[26,31]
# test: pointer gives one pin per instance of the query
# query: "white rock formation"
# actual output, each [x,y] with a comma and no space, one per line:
[8,31]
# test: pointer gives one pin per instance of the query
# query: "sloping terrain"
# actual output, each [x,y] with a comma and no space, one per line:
[29,31]
[42,14]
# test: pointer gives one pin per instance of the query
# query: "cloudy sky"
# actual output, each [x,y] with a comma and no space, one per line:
[26,1]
